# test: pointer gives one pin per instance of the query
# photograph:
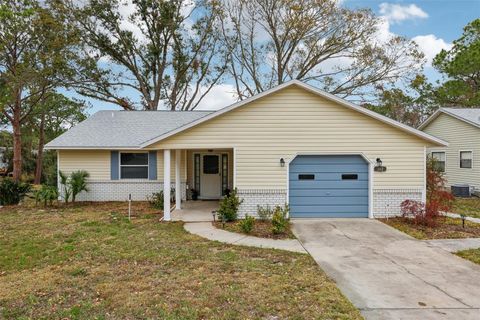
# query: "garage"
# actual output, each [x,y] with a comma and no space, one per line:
[328,186]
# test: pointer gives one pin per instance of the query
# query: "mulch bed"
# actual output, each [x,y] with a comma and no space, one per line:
[261,229]
[446,228]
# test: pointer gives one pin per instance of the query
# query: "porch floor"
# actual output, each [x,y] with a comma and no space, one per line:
[195,211]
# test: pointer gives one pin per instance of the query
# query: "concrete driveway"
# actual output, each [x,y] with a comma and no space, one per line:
[389,275]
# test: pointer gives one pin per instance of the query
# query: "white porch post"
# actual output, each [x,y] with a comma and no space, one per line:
[178,184]
[166,185]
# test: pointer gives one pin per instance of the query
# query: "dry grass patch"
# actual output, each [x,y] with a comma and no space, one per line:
[467,206]
[87,261]
[261,228]
[446,228]
[472,255]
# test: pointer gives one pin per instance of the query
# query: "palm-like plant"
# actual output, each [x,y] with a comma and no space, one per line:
[64,181]
[78,182]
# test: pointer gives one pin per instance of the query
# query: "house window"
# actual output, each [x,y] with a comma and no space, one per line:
[466,159]
[439,158]
[134,165]
[210,164]
[306,176]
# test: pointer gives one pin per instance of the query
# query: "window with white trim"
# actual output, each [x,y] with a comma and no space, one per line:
[439,161]
[466,159]
[134,165]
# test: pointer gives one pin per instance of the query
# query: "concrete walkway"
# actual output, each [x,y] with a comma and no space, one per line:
[207,230]
[195,211]
[454,245]
[456,215]
[389,275]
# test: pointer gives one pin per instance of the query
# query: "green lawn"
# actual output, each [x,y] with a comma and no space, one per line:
[90,262]
[472,255]
[467,206]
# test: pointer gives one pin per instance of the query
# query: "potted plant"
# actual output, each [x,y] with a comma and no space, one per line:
[194,194]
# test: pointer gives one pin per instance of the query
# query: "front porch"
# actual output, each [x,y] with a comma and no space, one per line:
[203,174]
[195,211]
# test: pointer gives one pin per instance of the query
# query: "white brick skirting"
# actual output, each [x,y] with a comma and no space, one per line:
[263,197]
[119,190]
[386,202]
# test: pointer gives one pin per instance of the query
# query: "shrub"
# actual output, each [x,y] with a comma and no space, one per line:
[46,194]
[74,184]
[12,192]
[156,200]
[78,182]
[264,213]
[438,199]
[247,224]
[426,215]
[229,207]
[280,220]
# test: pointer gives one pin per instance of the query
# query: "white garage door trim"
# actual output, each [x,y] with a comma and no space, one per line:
[370,172]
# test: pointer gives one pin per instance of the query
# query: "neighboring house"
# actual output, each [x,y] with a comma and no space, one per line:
[292,144]
[461,129]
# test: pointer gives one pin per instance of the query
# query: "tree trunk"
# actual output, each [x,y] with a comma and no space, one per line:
[17,140]
[41,143]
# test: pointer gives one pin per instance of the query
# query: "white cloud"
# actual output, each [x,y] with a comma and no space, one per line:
[431,46]
[219,97]
[395,13]
[384,34]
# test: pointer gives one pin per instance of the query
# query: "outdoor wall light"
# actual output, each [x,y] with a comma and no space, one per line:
[379,167]
[282,162]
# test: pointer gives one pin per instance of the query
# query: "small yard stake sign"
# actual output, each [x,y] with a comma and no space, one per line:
[129,205]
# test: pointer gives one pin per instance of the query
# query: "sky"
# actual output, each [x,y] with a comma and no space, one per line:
[432,24]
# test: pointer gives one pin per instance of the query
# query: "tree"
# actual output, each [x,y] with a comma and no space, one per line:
[461,67]
[35,51]
[54,115]
[337,49]
[159,53]
[410,105]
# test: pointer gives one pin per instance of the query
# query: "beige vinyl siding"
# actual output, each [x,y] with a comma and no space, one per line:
[461,136]
[293,121]
[97,163]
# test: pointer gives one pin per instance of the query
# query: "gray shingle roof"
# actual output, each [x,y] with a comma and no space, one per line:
[123,129]
[470,115]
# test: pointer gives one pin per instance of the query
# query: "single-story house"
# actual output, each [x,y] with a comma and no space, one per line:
[460,160]
[294,144]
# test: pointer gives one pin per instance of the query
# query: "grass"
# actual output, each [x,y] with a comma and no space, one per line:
[262,229]
[467,206]
[90,262]
[472,255]
[447,228]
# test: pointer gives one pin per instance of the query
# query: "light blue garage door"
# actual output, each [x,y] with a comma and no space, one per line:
[328,187]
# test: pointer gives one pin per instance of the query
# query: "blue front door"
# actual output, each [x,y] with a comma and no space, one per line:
[324,186]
